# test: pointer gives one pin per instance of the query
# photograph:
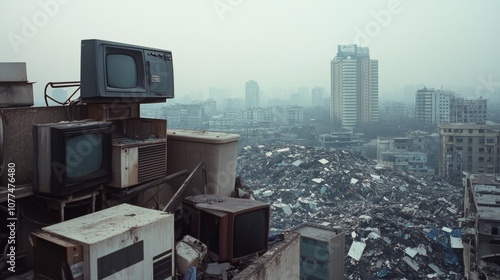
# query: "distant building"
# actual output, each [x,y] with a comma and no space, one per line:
[417,152]
[341,139]
[294,115]
[233,104]
[395,111]
[317,96]
[221,123]
[465,111]
[210,107]
[470,147]
[322,252]
[218,95]
[252,94]
[186,116]
[441,106]
[264,116]
[354,87]
[432,106]
[59,94]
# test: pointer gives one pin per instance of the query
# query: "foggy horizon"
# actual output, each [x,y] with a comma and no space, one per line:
[225,43]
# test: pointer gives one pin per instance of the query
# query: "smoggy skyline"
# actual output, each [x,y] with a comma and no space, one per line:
[225,43]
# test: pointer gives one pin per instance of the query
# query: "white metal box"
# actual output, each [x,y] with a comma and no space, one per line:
[15,90]
[187,148]
[138,161]
[13,72]
[121,242]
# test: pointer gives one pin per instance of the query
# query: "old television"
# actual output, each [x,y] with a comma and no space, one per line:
[112,72]
[232,228]
[70,157]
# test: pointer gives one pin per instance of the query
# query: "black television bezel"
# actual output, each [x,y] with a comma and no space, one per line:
[93,76]
[59,134]
[226,215]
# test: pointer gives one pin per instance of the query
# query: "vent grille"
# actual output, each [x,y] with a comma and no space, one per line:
[162,268]
[152,162]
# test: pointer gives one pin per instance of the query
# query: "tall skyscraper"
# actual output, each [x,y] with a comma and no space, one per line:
[354,87]
[251,94]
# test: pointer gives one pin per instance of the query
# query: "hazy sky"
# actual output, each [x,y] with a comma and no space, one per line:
[278,43]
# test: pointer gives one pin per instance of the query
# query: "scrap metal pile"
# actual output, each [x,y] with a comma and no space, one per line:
[397,225]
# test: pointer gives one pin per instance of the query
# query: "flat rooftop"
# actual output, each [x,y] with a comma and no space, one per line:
[316,232]
[487,200]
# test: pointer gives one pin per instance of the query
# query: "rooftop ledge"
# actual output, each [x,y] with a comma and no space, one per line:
[281,261]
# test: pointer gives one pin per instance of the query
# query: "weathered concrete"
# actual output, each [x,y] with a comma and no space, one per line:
[280,262]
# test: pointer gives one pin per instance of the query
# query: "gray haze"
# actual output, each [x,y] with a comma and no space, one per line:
[278,43]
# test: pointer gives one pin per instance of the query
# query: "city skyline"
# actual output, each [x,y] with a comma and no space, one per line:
[219,43]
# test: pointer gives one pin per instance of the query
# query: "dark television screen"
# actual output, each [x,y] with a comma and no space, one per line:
[84,155]
[121,71]
[250,233]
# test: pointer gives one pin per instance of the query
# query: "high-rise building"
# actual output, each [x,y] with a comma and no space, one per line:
[354,87]
[251,94]
[433,106]
[441,106]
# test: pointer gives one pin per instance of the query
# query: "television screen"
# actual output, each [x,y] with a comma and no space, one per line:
[121,71]
[70,157]
[250,234]
[84,155]
[118,73]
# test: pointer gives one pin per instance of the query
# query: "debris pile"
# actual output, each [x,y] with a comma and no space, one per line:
[397,224]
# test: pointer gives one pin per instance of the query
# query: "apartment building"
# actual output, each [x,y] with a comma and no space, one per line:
[432,106]
[415,153]
[342,138]
[482,218]
[354,87]
[471,147]
[464,111]
[442,106]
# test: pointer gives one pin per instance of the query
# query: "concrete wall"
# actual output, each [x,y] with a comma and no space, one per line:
[280,262]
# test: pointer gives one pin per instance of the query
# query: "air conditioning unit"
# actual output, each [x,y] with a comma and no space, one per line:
[138,161]
[121,242]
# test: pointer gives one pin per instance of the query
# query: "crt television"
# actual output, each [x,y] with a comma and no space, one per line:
[232,228]
[112,72]
[70,157]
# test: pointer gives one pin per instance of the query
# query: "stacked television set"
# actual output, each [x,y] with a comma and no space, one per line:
[71,157]
[113,72]
[232,228]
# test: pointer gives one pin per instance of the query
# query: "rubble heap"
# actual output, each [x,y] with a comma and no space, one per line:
[397,224]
